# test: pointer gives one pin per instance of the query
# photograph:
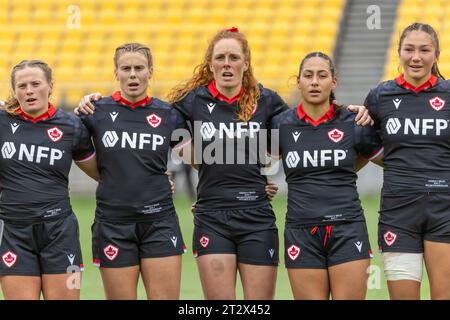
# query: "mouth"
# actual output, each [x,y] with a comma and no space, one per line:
[415,67]
[227,75]
[133,85]
[315,92]
[31,100]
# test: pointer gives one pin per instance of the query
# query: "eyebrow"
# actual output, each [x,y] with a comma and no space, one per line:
[420,46]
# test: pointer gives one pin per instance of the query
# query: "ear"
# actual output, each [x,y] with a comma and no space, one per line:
[246,65]
[51,89]
[115,75]
[334,84]
[210,67]
[150,72]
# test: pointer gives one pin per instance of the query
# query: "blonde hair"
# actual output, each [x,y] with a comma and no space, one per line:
[12,104]
[203,76]
[133,47]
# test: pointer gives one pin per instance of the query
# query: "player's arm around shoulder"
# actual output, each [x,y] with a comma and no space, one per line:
[83,150]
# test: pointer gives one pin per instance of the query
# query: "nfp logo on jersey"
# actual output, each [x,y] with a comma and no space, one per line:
[132,140]
[31,153]
[229,130]
[316,158]
[416,127]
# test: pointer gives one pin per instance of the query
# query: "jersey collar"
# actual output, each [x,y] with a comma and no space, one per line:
[117,96]
[216,93]
[401,81]
[46,115]
[326,117]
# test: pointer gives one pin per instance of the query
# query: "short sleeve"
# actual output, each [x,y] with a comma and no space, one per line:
[276,105]
[181,135]
[185,106]
[371,103]
[83,149]
[367,142]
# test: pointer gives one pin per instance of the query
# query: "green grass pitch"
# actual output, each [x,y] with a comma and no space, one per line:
[190,287]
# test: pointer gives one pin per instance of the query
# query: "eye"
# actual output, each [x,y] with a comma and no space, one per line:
[36,84]
[21,86]
[125,68]
[307,75]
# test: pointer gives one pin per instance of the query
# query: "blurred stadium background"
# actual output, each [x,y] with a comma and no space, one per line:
[78,37]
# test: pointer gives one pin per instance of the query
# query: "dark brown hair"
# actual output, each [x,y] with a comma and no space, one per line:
[417,26]
[332,97]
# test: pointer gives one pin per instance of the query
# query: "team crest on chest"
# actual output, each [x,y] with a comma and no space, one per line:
[437,103]
[55,134]
[154,120]
[335,135]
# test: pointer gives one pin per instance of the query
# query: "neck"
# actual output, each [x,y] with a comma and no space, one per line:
[316,111]
[35,113]
[229,92]
[133,99]
[417,82]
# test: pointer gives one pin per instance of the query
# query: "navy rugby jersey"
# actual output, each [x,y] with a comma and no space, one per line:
[319,163]
[36,156]
[132,143]
[230,154]
[414,125]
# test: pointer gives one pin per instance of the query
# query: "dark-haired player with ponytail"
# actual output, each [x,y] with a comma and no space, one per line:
[412,115]
[327,248]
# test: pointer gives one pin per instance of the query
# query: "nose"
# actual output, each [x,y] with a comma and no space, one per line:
[315,80]
[416,55]
[29,90]
[227,61]
[133,73]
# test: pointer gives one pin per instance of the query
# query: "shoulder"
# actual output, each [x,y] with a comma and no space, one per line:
[443,85]
[384,87]
[103,102]
[285,117]
[67,117]
[346,115]
[268,93]
[201,91]
[4,114]
[161,104]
